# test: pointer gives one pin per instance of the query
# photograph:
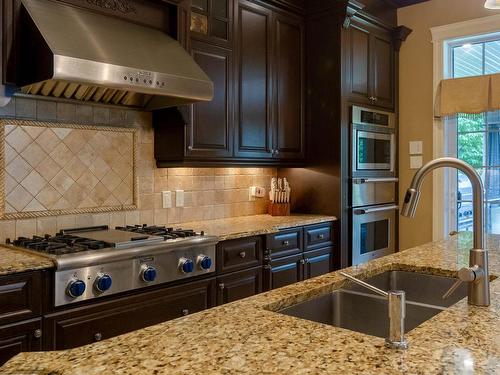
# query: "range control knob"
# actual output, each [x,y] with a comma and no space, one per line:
[148,273]
[186,265]
[76,288]
[103,282]
[205,262]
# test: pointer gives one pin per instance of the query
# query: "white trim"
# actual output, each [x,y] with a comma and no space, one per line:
[441,201]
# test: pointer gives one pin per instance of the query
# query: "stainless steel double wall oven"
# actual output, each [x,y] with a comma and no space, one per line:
[373,184]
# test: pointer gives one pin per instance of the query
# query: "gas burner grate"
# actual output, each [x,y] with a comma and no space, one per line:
[59,244]
[168,233]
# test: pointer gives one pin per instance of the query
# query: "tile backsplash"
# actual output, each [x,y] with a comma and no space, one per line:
[210,193]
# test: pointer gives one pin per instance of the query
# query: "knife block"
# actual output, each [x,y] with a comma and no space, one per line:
[278,209]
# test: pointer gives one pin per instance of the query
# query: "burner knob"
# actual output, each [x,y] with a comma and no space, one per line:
[76,288]
[186,265]
[205,262]
[103,282]
[148,273]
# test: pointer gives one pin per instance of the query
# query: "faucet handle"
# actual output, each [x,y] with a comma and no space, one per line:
[465,275]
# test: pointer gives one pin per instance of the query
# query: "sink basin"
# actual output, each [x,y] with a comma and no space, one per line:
[360,310]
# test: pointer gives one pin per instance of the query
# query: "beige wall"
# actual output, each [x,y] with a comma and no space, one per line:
[416,98]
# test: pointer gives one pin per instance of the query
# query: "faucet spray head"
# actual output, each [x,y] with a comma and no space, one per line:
[410,202]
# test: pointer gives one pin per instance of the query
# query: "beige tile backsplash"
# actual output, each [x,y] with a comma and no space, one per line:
[210,193]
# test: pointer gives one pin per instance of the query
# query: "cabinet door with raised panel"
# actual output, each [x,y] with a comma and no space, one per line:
[253,51]
[318,262]
[210,133]
[289,135]
[383,70]
[20,337]
[358,57]
[284,271]
[238,285]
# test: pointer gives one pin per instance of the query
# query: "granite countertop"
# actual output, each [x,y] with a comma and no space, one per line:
[14,260]
[247,337]
[17,260]
[254,225]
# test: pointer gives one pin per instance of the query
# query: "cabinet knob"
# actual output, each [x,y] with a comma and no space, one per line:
[98,336]
[185,312]
[321,236]
[286,243]
[37,333]
[243,254]
[302,261]
[190,148]
[221,286]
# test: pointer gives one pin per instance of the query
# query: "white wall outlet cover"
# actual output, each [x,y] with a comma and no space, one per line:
[415,162]
[166,199]
[416,147]
[256,191]
[179,198]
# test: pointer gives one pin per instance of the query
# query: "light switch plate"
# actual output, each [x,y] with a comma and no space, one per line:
[415,162]
[256,191]
[166,199]
[416,148]
[179,198]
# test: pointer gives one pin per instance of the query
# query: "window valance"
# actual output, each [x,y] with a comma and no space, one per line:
[468,95]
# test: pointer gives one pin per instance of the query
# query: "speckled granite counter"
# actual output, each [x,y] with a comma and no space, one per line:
[254,225]
[244,337]
[15,261]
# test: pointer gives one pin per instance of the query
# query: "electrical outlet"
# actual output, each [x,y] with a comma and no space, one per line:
[166,199]
[256,191]
[416,148]
[179,198]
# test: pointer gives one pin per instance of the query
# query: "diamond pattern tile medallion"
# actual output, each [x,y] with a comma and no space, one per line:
[58,169]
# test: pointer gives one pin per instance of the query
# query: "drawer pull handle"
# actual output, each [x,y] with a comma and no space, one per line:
[221,286]
[286,243]
[185,312]
[98,336]
[321,236]
[37,333]
[243,254]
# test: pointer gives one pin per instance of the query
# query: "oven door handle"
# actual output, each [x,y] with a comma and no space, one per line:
[360,181]
[364,211]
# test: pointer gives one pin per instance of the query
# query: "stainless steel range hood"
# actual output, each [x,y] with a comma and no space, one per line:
[72,53]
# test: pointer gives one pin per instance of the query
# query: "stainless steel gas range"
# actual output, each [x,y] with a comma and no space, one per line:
[95,262]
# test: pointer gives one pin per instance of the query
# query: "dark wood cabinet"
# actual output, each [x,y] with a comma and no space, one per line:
[211,21]
[239,254]
[25,336]
[370,62]
[318,262]
[284,271]
[88,324]
[210,134]
[289,129]
[253,51]
[238,285]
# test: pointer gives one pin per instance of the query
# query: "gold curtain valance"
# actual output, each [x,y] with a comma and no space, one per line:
[468,95]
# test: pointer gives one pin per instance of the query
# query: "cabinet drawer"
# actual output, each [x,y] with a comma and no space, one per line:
[20,297]
[238,254]
[81,326]
[318,235]
[238,285]
[284,243]
[284,271]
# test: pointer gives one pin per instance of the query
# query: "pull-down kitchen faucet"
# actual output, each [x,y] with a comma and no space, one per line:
[476,275]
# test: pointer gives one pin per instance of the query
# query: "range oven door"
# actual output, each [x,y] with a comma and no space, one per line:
[374,232]
[373,151]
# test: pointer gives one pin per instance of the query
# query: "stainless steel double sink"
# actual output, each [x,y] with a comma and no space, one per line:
[357,309]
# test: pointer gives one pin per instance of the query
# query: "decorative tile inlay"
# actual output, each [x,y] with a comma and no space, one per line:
[57,169]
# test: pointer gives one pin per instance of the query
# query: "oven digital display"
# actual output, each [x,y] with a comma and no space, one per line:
[374,118]
[374,151]
[374,236]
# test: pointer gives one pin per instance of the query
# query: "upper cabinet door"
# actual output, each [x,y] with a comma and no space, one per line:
[359,67]
[253,123]
[289,132]
[210,132]
[211,21]
[383,71]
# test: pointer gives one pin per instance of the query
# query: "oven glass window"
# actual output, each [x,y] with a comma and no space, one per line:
[374,151]
[374,236]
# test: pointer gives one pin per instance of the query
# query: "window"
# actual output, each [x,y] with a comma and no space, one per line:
[475,138]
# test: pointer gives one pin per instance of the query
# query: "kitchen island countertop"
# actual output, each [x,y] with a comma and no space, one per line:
[247,337]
